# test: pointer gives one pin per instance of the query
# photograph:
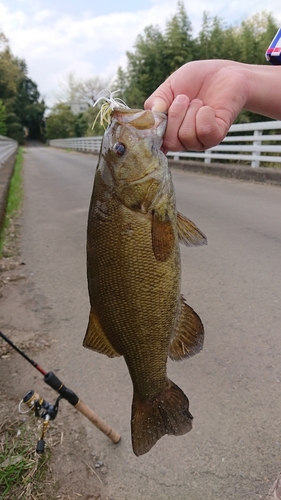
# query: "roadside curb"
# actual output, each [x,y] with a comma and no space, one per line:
[262,174]
[6,173]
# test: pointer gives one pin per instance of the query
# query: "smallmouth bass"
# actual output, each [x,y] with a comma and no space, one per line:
[133,269]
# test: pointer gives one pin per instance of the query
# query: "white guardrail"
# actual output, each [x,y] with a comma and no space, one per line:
[251,143]
[7,148]
[91,144]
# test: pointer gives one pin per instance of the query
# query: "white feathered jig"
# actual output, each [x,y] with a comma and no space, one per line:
[111,102]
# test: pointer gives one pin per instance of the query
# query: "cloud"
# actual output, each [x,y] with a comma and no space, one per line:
[55,44]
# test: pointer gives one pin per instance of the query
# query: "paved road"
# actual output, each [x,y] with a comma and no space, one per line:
[234,385]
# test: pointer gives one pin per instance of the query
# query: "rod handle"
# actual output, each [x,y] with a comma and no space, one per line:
[98,422]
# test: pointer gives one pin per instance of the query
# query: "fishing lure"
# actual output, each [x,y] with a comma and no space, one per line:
[111,102]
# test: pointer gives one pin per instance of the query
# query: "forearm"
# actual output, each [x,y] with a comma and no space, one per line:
[263,91]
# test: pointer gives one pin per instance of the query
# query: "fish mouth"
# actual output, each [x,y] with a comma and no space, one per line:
[142,125]
[143,120]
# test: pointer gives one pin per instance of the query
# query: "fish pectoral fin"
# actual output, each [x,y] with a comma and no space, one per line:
[189,234]
[96,339]
[167,413]
[163,237]
[188,338]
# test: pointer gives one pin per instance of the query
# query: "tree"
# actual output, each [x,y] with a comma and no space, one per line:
[255,34]
[74,89]
[9,75]
[217,40]
[85,91]
[121,83]
[94,126]
[19,94]
[178,39]
[146,67]
[156,55]
[29,108]
[80,125]
[89,89]
[60,123]
[3,125]
[14,128]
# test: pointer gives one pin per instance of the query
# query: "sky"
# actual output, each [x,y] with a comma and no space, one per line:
[90,37]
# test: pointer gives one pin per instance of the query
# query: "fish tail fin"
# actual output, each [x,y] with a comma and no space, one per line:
[167,413]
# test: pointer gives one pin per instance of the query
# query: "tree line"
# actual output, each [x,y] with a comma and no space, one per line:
[62,122]
[156,54]
[21,108]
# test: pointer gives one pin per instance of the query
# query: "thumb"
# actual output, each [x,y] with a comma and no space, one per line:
[159,105]
[161,99]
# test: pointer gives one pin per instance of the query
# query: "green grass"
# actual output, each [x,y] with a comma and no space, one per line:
[15,196]
[21,468]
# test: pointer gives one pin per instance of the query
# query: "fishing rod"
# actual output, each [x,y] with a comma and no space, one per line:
[48,411]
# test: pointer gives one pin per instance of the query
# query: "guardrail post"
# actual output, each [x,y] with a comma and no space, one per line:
[207,159]
[256,163]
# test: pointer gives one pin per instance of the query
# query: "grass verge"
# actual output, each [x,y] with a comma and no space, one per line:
[15,196]
[21,468]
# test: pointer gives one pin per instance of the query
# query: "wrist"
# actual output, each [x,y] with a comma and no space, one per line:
[262,84]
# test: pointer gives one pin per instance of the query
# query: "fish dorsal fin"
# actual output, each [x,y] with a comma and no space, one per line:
[96,339]
[189,234]
[189,334]
[163,237]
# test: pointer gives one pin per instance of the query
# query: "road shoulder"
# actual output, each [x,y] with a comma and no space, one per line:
[73,471]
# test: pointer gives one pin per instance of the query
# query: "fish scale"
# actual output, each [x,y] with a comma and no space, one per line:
[133,281]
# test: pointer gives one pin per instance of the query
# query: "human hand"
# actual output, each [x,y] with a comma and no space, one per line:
[202,99]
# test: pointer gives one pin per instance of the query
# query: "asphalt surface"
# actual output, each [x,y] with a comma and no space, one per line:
[233,451]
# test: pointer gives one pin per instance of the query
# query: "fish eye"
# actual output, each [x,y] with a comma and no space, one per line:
[119,148]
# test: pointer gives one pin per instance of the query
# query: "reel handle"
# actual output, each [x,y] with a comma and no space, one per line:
[98,422]
[40,448]
[53,381]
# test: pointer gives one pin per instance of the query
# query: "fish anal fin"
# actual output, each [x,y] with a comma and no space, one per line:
[163,237]
[96,339]
[189,334]
[167,413]
[189,234]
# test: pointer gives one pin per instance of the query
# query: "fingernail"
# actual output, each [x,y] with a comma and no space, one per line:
[159,105]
